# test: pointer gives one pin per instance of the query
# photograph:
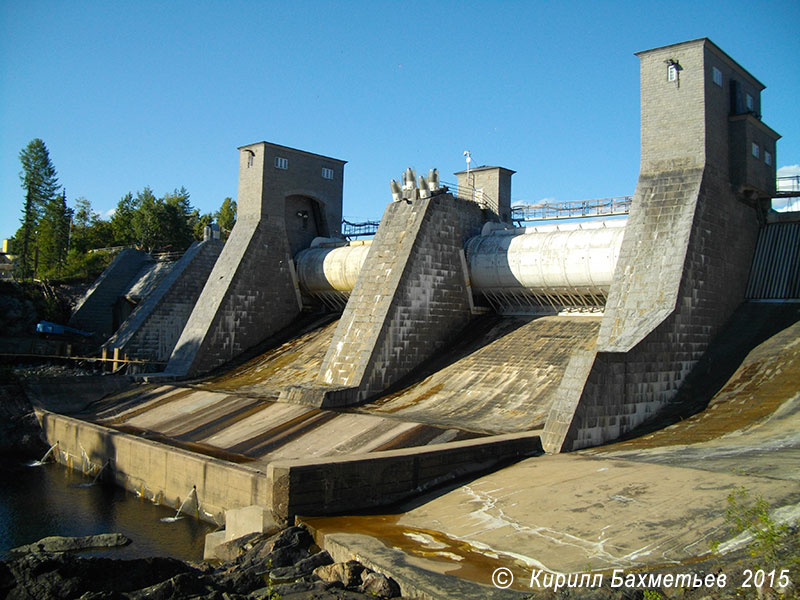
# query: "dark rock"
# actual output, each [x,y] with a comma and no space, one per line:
[69,576]
[300,569]
[283,549]
[238,580]
[308,590]
[230,551]
[20,433]
[379,585]
[64,544]
[348,573]
[184,585]
[63,575]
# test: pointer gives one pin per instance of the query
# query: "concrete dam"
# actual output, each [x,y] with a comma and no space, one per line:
[292,371]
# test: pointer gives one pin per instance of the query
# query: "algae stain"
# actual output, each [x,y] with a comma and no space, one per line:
[438,551]
[751,396]
[394,402]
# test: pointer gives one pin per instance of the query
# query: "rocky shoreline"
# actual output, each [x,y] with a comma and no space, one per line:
[286,565]
[20,432]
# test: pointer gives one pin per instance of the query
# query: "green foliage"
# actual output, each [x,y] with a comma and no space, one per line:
[226,216]
[754,519]
[177,230]
[39,180]
[122,221]
[56,241]
[200,223]
[53,237]
[85,265]
[652,595]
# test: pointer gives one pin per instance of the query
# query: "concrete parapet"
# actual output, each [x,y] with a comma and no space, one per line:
[95,311]
[320,396]
[329,485]
[158,472]
[153,329]
[411,295]
[250,294]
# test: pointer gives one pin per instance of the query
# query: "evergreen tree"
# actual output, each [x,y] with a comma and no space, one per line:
[54,236]
[40,182]
[148,220]
[122,221]
[199,223]
[178,221]
[226,216]
[89,231]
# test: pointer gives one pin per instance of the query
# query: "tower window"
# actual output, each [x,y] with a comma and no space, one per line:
[768,157]
[327,173]
[716,76]
[250,157]
[755,150]
[281,163]
[748,101]
[672,72]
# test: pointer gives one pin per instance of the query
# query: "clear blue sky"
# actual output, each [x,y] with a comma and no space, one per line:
[135,94]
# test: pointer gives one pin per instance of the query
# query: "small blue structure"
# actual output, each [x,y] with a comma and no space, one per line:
[56,329]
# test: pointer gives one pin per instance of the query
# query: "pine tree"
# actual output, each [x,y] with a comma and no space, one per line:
[226,216]
[40,183]
[122,221]
[54,235]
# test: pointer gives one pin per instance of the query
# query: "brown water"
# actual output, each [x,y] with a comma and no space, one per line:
[440,553]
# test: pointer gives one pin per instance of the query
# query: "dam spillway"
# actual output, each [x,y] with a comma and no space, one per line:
[452,341]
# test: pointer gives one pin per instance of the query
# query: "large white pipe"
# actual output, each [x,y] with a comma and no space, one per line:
[557,260]
[560,259]
[329,269]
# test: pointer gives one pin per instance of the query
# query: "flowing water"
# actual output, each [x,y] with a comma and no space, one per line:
[48,499]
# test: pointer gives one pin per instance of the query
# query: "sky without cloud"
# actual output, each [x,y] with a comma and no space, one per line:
[160,94]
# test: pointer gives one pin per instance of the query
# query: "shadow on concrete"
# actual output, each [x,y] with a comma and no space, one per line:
[304,323]
[750,325]
[480,332]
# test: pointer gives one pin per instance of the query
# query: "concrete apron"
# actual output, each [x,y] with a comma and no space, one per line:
[316,486]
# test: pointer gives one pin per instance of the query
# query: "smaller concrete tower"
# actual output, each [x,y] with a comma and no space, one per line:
[287,197]
[490,187]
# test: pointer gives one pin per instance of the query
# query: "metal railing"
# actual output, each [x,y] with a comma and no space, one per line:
[544,211]
[468,192]
[352,230]
[787,187]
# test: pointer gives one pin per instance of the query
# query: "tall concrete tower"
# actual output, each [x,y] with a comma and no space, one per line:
[701,108]
[707,174]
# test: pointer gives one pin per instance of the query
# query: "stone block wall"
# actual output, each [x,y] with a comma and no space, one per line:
[250,294]
[95,312]
[155,325]
[295,192]
[410,297]
[676,302]
[686,255]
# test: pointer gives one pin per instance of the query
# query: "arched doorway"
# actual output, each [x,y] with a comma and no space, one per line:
[304,221]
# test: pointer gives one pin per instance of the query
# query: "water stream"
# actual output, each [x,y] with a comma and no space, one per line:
[38,500]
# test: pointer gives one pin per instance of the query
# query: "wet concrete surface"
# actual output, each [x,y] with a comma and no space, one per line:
[498,377]
[639,504]
[657,499]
